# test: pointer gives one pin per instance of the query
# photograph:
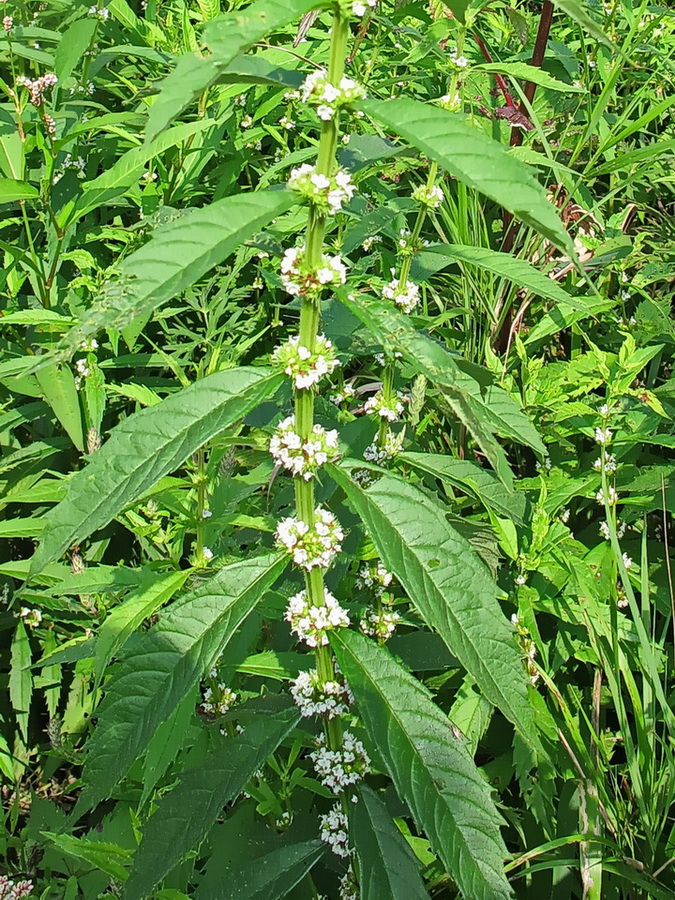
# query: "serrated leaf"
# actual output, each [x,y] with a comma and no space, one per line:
[267,877]
[178,254]
[162,665]
[57,384]
[448,584]
[145,447]
[109,858]
[526,72]
[227,36]
[387,865]
[429,765]
[186,814]
[20,678]
[474,159]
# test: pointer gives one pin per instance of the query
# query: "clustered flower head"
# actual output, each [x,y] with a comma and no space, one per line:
[304,366]
[38,86]
[612,496]
[217,699]
[334,831]
[315,697]
[349,888]
[8,23]
[405,296]
[376,578]
[338,769]
[14,890]
[328,193]
[603,435]
[32,617]
[101,12]
[301,281]
[310,623]
[380,624]
[311,546]
[345,393]
[620,530]
[392,446]
[328,98]
[428,196]
[303,457]
[360,7]
[609,464]
[389,408]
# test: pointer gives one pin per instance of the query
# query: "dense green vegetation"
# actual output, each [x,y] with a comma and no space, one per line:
[336,428]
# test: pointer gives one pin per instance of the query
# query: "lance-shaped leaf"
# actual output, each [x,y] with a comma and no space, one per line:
[145,447]
[474,159]
[185,815]
[227,37]
[447,582]
[387,865]
[267,877]
[579,12]
[178,254]
[162,665]
[429,765]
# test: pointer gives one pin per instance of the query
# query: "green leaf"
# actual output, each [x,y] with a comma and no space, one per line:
[473,480]
[57,384]
[20,678]
[448,584]
[227,36]
[525,72]
[186,814]
[267,877]
[109,858]
[458,8]
[145,447]
[126,617]
[11,191]
[162,665]
[387,865]
[474,159]
[178,254]
[578,11]
[429,765]
[75,41]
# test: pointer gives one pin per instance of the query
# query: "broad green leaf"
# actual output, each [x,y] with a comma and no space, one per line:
[458,8]
[11,191]
[387,865]
[227,36]
[146,446]
[37,317]
[186,814]
[448,584]
[525,72]
[579,12]
[129,168]
[162,665]
[429,765]
[474,159]
[72,47]
[126,617]
[267,877]
[57,384]
[109,858]
[175,257]
[472,479]
[258,70]
[165,744]
[20,678]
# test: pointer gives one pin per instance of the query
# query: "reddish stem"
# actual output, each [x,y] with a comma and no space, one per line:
[501,82]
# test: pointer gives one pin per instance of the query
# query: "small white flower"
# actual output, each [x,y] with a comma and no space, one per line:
[604,530]
[310,623]
[360,7]
[348,391]
[521,579]
[316,698]
[428,196]
[334,831]
[32,618]
[217,699]
[207,553]
[303,458]
[379,624]
[460,61]
[286,123]
[627,561]
[405,296]
[206,514]
[338,769]
[246,122]
[304,367]
[300,281]
[389,408]
[8,23]
[565,516]
[311,546]
[612,496]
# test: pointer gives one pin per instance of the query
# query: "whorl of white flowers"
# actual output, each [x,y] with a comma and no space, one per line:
[376,578]
[334,831]
[300,281]
[428,196]
[361,7]
[349,888]
[405,296]
[310,623]
[315,697]
[328,98]
[612,496]
[609,466]
[603,435]
[328,193]
[216,701]
[311,546]
[303,457]
[393,444]
[303,366]
[389,408]
[338,769]
[379,624]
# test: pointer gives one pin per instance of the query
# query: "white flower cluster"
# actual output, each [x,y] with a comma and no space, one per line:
[460,61]
[346,393]
[334,831]
[38,86]
[303,457]
[32,617]
[14,890]
[405,296]
[428,196]
[83,371]
[390,408]
[328,193]
[300,281]
[217,701]
[311,546]
[320,698]
[612,496]
[393,443]
[610,463]
[603,435]
[303,366]
[361,7]
[326,97]
[376,578]
[102,12]
[310,623]
[338,769]
[380,624]
[620,530]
